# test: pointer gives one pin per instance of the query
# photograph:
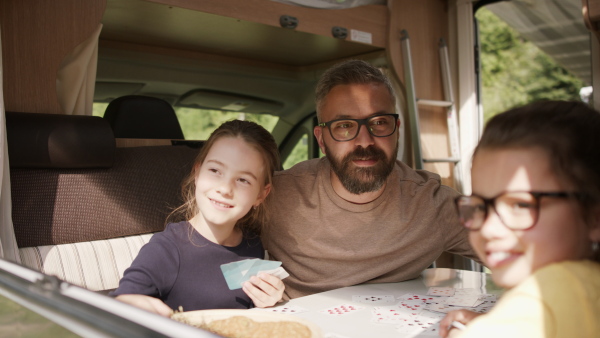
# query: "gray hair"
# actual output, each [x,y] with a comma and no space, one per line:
[349,72]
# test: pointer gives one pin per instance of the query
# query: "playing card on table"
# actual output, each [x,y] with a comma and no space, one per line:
[340,310]
[290,309]
[486,302]
[442,308]
[433,330]
[391,314]
[462,300]
[425,323]
[440,291]
[429,317]
[411,328]
[385,299]
[411,306]
[418,298]
[467,291]
[236,273]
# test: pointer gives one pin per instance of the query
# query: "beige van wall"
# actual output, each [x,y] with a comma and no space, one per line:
[36,38]
[426,21]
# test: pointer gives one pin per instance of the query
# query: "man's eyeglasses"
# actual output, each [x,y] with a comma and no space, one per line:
[518,210]
[342,130]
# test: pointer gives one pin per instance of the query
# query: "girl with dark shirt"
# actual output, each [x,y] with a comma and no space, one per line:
[224,210]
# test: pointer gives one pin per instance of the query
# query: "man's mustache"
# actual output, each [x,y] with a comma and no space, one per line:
[370,152]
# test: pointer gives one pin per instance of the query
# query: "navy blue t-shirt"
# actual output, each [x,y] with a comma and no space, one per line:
[182,268]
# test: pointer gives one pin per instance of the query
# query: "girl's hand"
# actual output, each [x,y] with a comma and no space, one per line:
[147,303]
[265,290]
[462,316]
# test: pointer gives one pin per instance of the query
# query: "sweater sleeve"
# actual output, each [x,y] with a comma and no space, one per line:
[154,270]
[519,315]
[455,236]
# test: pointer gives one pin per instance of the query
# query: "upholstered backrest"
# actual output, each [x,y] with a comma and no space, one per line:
[86,224]
[135,116]
[59,141]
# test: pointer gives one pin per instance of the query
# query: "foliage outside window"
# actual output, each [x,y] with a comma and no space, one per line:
[515,72]
[298,154]
[198,124]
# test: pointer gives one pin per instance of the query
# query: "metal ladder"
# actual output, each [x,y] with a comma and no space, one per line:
[413,103]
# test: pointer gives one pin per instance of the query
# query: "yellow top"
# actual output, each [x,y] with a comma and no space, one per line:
[559,300]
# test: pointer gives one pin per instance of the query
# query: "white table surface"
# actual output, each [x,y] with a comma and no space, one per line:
[358,323]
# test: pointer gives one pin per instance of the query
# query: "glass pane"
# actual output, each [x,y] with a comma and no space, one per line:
[99,108]
[22,322]
[198,124]
[299,154]
[515,71]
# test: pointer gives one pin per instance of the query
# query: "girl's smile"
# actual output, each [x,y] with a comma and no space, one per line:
[229,183]
[513,255]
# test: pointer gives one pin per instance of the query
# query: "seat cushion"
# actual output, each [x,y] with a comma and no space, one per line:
[95,265]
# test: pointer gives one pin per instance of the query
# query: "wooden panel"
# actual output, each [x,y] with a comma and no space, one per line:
[591,16]
[36,36]
[371,18]
[593,10]
[426,21]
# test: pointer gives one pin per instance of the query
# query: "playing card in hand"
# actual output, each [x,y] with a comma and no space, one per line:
[236,273]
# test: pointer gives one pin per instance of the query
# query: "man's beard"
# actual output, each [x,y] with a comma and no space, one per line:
[358,180]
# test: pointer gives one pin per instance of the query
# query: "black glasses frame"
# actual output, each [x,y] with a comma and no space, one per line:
[491,203]
[360,122]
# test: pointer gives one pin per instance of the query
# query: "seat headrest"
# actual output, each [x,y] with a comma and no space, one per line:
[59,141]
[135,116]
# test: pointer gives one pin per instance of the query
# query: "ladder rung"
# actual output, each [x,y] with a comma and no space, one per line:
[435,160]
[436,103]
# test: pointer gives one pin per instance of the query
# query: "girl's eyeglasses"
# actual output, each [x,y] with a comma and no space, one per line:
[518,210]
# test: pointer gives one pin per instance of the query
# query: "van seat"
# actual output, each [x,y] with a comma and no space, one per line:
[136,116]
[95,265]
[85,221]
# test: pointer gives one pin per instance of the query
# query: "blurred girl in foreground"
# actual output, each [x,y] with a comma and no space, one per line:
[534,218]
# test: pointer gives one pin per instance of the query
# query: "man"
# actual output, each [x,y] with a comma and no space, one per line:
[358,215]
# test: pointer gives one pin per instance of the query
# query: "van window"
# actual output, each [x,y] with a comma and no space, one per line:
[514,71]
[198,124]
[99,108]
[298,154]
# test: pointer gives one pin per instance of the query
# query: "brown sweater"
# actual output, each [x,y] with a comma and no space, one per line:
[326,242]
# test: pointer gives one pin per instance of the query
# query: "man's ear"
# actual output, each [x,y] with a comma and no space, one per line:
[318,131]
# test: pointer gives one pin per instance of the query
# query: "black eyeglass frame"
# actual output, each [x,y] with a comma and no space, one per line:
[360,122]
[491,202]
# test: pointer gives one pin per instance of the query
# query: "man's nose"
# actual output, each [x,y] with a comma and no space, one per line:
[364,138]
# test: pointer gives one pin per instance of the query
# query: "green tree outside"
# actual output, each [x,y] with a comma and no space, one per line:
[515,72]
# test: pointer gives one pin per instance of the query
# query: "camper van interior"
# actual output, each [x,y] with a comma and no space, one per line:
[102,97]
